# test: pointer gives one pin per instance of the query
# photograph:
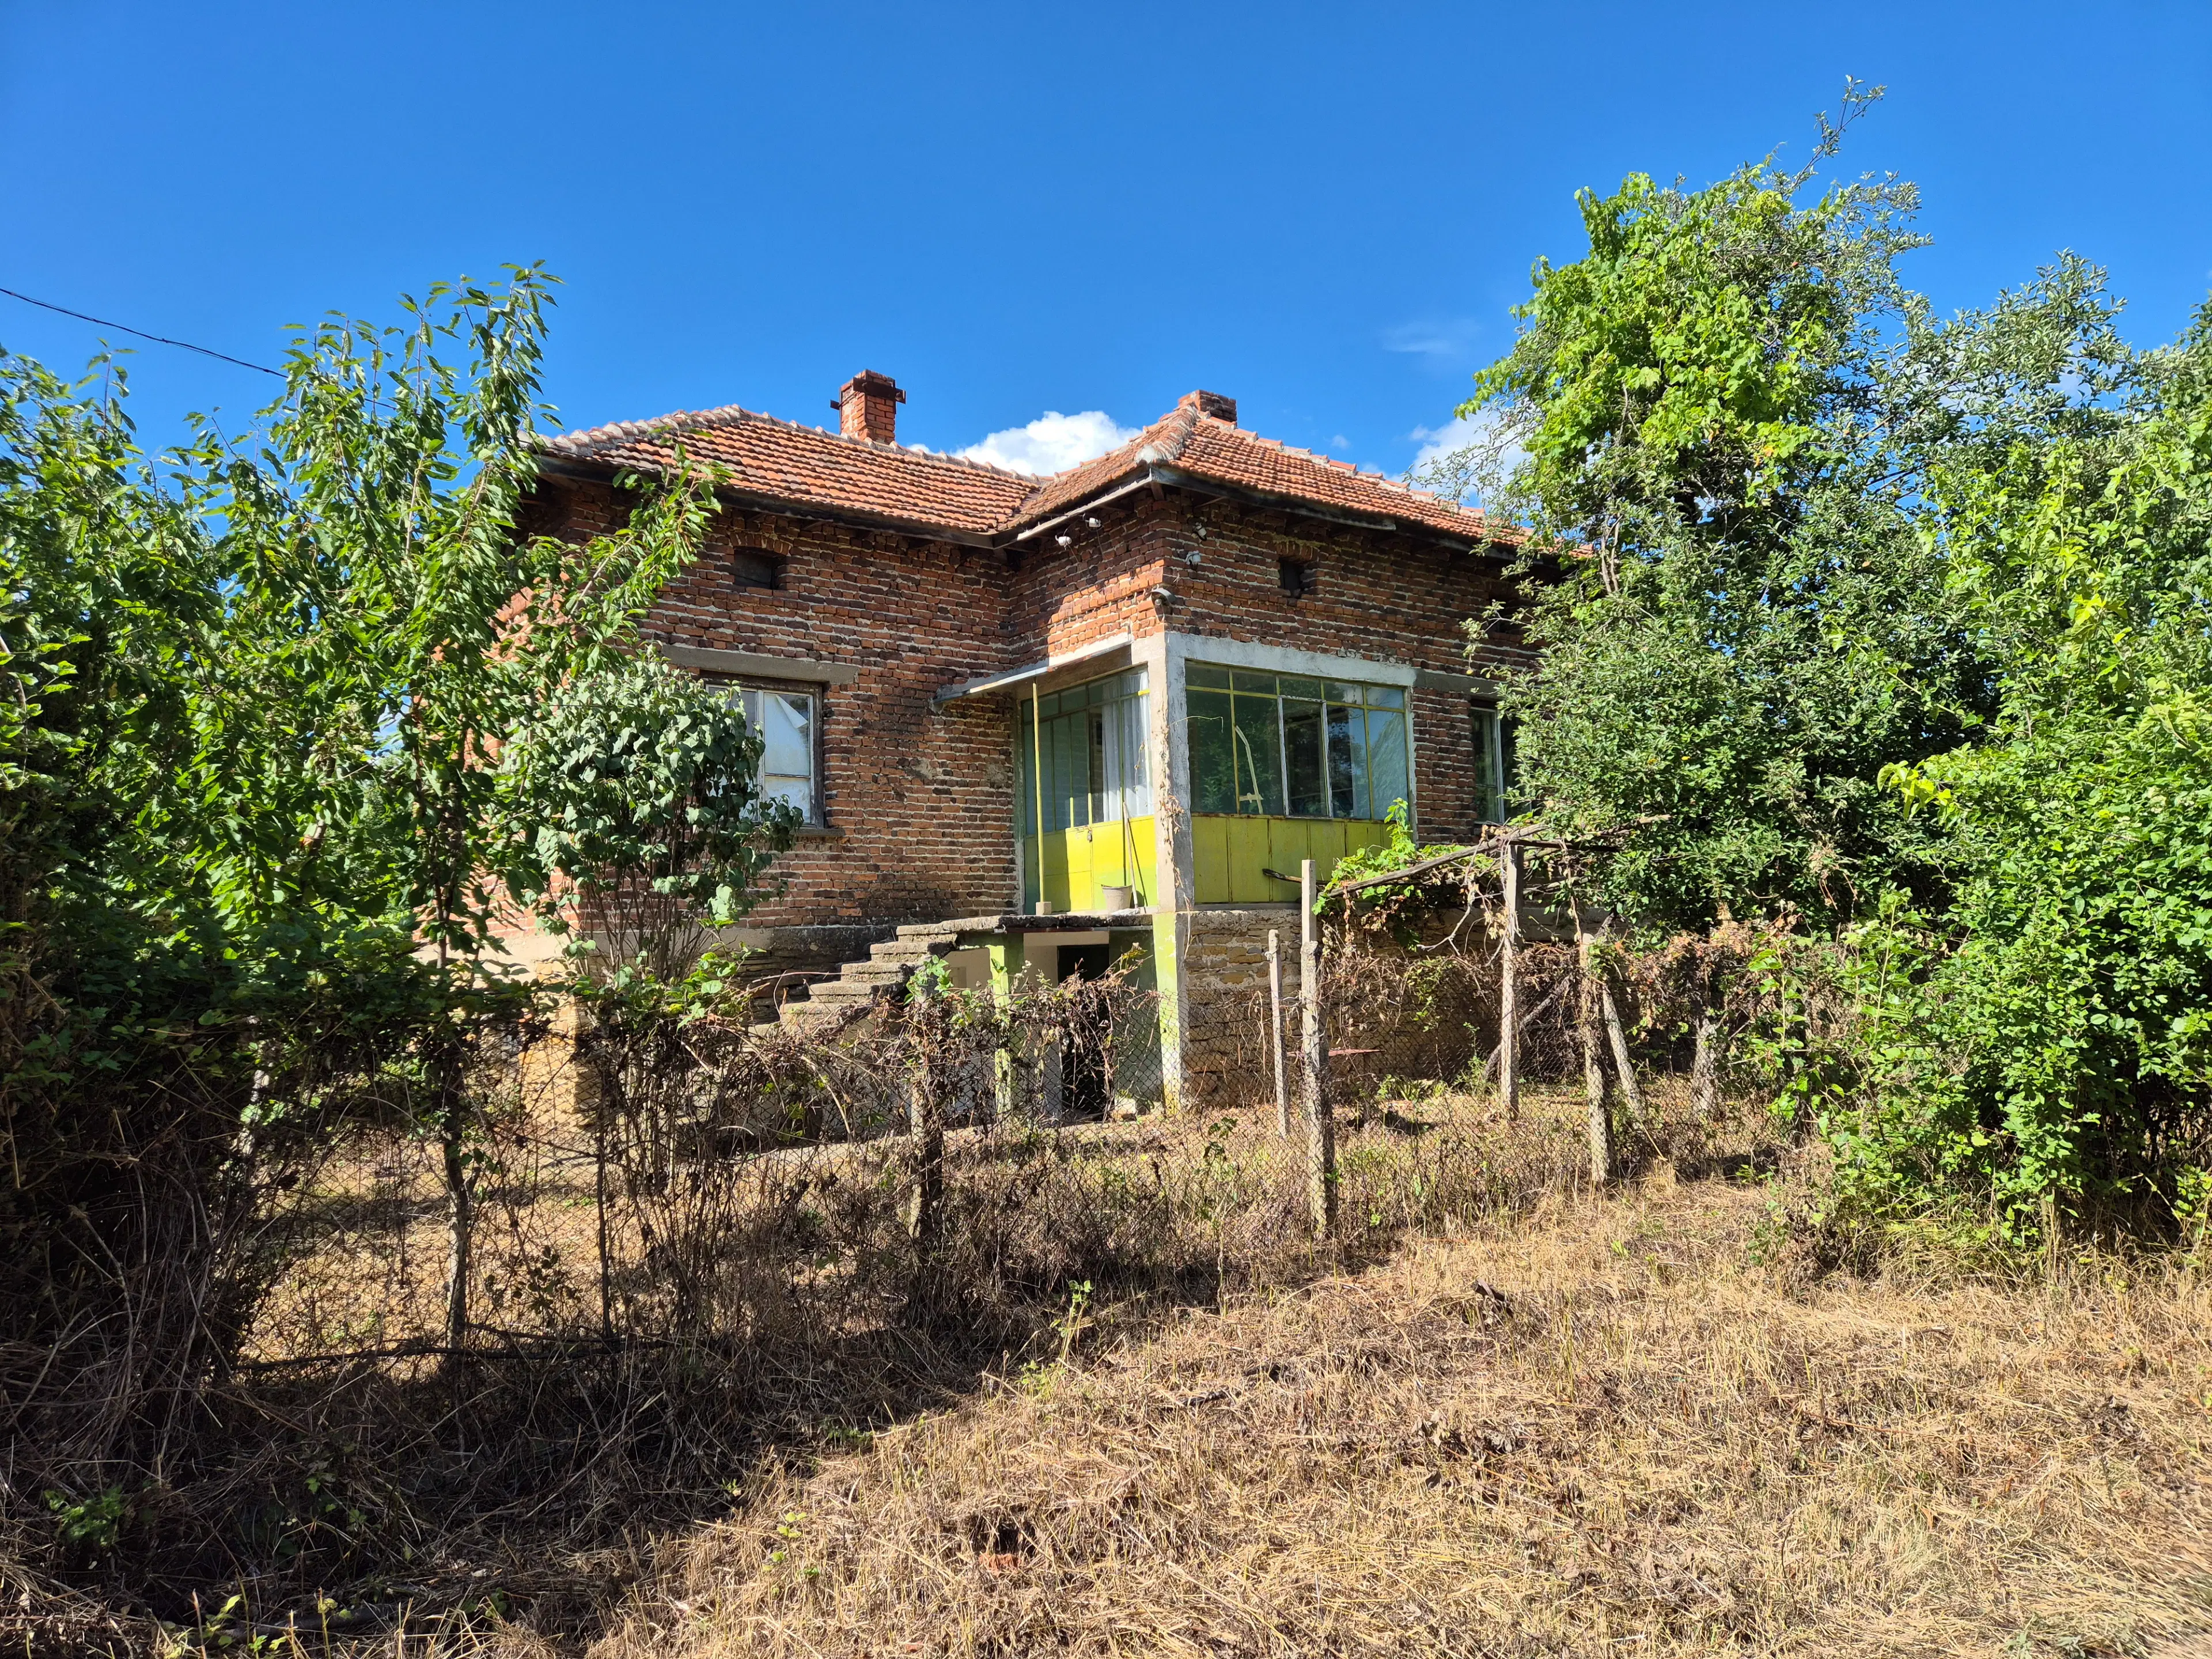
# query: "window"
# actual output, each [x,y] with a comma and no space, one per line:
[1090,740]
[1283,745]
[1493,762]
[785,721]
[1297,576]
[750,567]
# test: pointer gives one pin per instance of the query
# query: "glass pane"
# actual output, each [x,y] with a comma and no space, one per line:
[1347,762]
[1136,765]
[1205,674]
[1025,781]
[788,726]
[1094,726]
[1305,755]
[1046,707]
[799,791]
[1068,773]
[1212,754]
[1246,680]
[1123,730]
[1386,696]
[1490,792]
[1344,691]
[1297,688]
[1386,759]
[1259,756]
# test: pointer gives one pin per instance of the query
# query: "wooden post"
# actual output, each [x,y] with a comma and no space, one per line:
[1275,1032]
[1321,1140]
[1705,1067]
[1509,985]
[1587,1021]
[1617,1038]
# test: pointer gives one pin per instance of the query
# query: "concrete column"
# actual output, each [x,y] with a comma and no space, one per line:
[1008,960]
[1169,760]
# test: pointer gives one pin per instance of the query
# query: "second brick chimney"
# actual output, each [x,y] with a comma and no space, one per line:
[868,407]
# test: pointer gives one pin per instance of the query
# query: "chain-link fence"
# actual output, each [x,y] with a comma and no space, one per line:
[670,1223]
[642,1172]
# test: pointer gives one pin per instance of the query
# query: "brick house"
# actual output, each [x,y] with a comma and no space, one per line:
[1034,721]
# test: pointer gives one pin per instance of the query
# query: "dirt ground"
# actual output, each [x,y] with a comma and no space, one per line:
[1645,1424]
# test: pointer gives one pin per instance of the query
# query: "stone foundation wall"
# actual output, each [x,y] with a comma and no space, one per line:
[1408,1014]
[1226,1055]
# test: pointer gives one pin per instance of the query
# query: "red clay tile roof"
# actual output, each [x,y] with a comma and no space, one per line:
[778,459]
[763,456]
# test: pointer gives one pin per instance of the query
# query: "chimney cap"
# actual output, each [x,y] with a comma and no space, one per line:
[869,384]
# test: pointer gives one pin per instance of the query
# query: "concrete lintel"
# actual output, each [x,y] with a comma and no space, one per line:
[748,664]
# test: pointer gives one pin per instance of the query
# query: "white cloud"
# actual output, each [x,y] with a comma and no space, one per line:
[1051,443]
[1445,340]
[1434,467]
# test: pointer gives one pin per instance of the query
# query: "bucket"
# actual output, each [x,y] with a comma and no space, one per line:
[1117,898]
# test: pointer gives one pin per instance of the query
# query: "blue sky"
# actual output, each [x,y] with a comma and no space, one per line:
[1324,212]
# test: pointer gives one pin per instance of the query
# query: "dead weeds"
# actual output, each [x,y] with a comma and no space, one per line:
[1630,1425]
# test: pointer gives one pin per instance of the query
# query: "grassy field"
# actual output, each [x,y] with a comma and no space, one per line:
[1645,1424]
[1505,1416]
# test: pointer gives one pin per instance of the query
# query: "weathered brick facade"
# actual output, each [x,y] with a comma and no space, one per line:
[905,575]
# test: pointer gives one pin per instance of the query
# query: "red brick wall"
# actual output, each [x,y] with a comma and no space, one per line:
[920,805]
[917,805]
[1384,596]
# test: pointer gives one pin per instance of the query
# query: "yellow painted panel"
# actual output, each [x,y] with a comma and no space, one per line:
[1077,863]
[1248,852]
[1209,847]
[1231,852]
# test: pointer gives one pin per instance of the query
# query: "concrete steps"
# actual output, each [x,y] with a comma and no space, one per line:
[831,1004]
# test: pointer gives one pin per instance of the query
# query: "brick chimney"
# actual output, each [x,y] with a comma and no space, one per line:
[1210,403]
[868,407]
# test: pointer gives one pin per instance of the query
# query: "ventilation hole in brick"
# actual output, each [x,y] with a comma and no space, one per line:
[1298,577]
[751,568]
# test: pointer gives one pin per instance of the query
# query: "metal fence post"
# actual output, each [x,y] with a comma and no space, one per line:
[1321,1138]
[1509,985]
[1275,1032]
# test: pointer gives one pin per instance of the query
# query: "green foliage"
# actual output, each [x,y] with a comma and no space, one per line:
[1732,409]
[2068,998]
[1886,628]
[632,798]
[254,699]
[1683,371]
[1396,851]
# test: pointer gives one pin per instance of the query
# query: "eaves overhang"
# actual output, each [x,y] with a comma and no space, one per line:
[1154,476]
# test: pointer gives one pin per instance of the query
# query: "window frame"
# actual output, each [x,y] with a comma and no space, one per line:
[1493,759]
[1132,741]
[816,817]
[1374,698]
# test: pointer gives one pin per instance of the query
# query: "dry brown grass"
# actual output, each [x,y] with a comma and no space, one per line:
[1609,1426]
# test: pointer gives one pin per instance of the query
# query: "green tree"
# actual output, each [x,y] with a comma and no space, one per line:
[414,629]
[633,798]
[2051,1054]
[1728,411]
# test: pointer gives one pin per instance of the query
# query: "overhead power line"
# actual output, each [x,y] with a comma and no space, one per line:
[158,339]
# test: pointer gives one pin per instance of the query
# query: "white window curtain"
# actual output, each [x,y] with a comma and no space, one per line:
[785,721]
